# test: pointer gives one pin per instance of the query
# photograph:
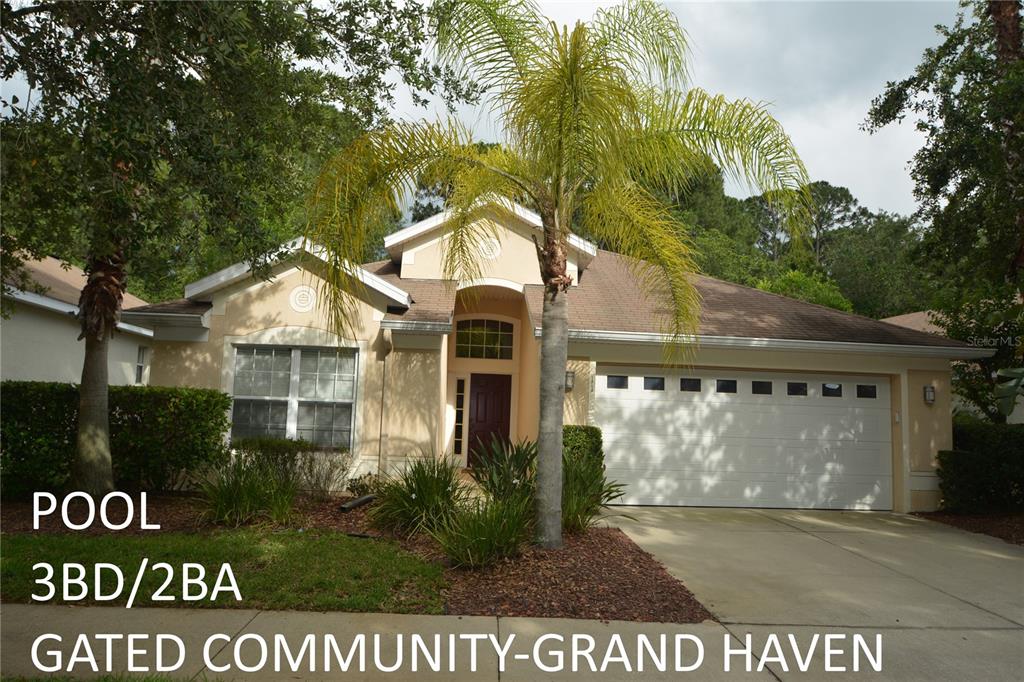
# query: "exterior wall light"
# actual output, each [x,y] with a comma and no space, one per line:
[570,379]
[929,395]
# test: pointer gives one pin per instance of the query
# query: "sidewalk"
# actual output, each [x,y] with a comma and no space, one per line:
[23,623]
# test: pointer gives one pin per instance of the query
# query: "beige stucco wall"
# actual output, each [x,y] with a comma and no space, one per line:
[42,345]
[516,260]
[411,424]
[929,429]
[260,313]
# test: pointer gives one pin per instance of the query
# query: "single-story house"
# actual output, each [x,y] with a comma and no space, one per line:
[39,341]
[780,403]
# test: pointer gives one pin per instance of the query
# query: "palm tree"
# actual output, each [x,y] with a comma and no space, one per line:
[597,121]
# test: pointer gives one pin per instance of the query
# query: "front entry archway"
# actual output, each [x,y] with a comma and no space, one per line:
[490,405]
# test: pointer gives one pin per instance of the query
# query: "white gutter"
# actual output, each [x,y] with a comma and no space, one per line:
[418,326]
[48,303]
[171,319]
[951,352]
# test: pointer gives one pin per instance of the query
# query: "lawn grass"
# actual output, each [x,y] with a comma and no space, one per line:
[274,569]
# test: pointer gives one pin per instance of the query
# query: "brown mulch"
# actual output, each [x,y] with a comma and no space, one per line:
[601,575]
[1007,526]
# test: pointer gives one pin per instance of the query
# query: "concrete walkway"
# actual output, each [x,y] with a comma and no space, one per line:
[949,604]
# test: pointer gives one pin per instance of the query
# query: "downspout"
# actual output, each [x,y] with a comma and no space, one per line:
[388,346]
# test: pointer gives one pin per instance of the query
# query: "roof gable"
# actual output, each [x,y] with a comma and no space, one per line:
[201,289]
[395,242]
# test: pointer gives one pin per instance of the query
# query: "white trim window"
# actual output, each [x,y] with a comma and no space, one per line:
[141,364]
[306,393]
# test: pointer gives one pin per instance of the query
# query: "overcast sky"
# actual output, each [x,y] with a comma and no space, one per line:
[818,63]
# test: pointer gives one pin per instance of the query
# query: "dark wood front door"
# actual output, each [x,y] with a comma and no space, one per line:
[490,402]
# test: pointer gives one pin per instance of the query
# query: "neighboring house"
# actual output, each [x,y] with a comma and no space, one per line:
[782,403]
[39,342]
[921,321]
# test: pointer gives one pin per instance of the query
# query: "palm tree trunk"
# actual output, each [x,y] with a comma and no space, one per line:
[99,307]
[92,471]
[554,350]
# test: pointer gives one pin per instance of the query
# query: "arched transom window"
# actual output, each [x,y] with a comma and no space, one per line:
[488,339]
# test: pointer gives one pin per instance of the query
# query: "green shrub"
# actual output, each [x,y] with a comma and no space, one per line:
[367,484]
[585,491]
[583,441]
[324,473]
[160,437]
[251,487]
[423,497]
[503,469]
[487,530]
[985,471]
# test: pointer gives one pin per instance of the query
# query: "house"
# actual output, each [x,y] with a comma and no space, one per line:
[39,341]
[780,403]
[922,321]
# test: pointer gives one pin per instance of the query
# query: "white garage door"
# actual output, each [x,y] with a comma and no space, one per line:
[746,439]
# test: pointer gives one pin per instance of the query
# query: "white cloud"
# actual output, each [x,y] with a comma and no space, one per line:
[819,64]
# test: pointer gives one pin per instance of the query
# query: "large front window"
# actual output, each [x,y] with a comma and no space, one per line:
[488,339]
[295,393]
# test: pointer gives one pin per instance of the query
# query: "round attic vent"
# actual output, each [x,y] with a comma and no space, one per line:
[302,299]
[490,248]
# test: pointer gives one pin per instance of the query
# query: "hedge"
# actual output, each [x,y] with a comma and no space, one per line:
[985,470]
[158,435]
[582,441]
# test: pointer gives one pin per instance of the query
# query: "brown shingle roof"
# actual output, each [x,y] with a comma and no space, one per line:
[920,321]
[62,284]
[432,300]
[608,298]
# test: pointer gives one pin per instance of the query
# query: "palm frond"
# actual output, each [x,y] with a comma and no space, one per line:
[635,223]
[647,39]
[740,137]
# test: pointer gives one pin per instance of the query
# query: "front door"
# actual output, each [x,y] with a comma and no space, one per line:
[490,399]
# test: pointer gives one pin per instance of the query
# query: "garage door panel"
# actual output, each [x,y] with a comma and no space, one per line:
[764,491]
[675,421]
[735,454]
[742,449]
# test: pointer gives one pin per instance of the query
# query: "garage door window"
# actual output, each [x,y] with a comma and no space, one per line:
[761,387]
[686,384]
[725,385]
[796,388]
[618,381]
[832,390]
[654,383]
[867,391]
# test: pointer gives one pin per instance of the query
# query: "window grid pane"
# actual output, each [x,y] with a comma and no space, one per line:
[485,339]
[256,418]
[262,372]
[323,403]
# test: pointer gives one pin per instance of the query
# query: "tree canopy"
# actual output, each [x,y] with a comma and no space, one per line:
[185,134]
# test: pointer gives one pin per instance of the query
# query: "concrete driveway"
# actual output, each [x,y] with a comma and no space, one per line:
[949,604]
